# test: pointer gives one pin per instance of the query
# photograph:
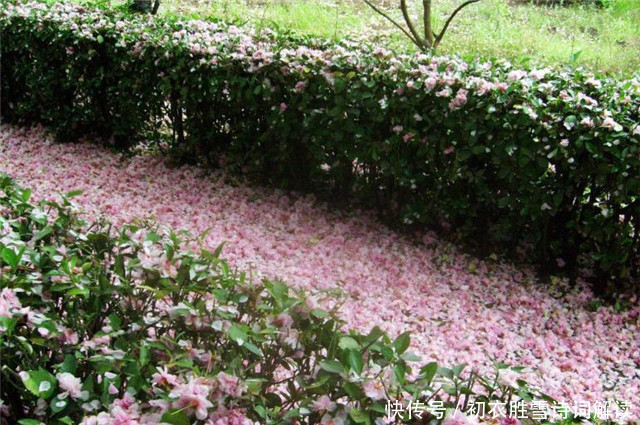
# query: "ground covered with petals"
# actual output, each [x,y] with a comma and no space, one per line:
[458,308]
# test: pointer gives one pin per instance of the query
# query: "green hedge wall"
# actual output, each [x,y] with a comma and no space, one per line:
[538,158]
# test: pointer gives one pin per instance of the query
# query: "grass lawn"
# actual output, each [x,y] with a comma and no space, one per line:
[603,39]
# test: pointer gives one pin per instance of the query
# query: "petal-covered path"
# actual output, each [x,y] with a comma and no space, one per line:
[459,309]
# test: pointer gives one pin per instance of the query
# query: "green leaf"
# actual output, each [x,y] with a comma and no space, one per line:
[42,233]
[176,417]
[347,342]
[278,290]
[359,416]
[100,39]
[30,422]
[410,357]
[253,348]
[375,334]
[457,370]
[9,257]
[145,355]
[73,193]
[429,371]
[402,342]
[261,411]
[69,364]
[355,361]
[400,370]
[40,382]
[58,405]
[237,334]
[332,366]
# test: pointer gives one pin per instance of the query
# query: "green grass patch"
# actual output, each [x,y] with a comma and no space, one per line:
[602,39]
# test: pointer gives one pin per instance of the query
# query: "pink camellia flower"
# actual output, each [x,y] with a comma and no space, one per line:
[593,82]
[516,75]
[224,416]
[163,377]
[300,86]
[430,83]
[449,150]
[69,337]
[484,87]
[230,385]
[502,87]
[564,143]
[538,74]
[459,100]
[9,302]
[322,404]
[71,386]
[374,390]
[611,123]
[588,122]
[283,107]
[407,137]
[284,320]
[193,396]
[397,129]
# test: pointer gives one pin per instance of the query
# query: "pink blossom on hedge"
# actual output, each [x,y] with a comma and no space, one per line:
[323,403]
[224,416]
[588,122]
[163,377]
[193,396]
[71,385]
[459,100]
[230,385]
[609,122]
[374,389]
[430,83]
[9,303]
[516,75]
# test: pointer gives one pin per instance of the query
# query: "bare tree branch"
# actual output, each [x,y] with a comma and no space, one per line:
[390,19]
[453,15]
[407,19]
[429,35]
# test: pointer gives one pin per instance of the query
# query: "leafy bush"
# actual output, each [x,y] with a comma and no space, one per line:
[101,325]
[508,158]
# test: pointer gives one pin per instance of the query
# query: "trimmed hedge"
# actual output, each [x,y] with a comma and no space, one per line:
[544,159]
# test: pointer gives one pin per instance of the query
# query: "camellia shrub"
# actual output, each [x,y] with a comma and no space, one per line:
[508,158]
[102,326]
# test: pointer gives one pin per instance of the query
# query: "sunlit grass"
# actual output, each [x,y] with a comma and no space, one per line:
[605,40]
